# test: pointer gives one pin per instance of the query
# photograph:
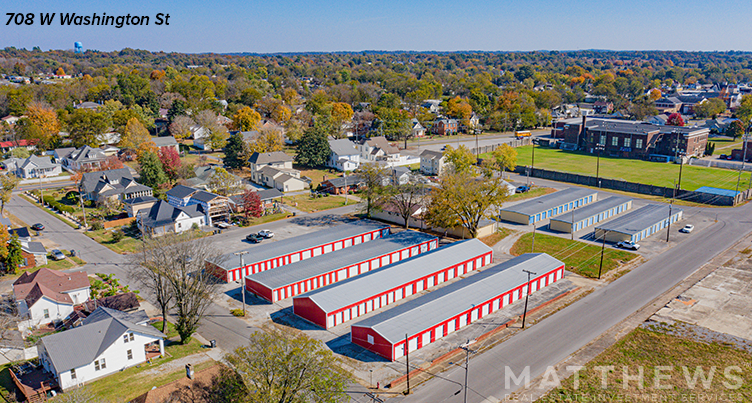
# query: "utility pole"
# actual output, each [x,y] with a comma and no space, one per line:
[603,249]
[598,147]
[466,347]
[744,159]
[670,205]
[532,249]
[527,295]
[407,364]
[346,187]
[532,163]
[83,210]
[573,207]
[242,279]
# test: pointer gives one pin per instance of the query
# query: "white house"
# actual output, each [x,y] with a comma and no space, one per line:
[277,160]
[33,167]
[107,342]
[344,156]
[280,180]
[163,218]
[83,158]
[432,162]
[47,295]
[417,130]
[377,149]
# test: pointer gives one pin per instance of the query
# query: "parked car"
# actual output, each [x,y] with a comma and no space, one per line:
[522,189]
[687,228]
[254,238]
[722,156]
[37,227]
[266,233]
[628,245]
[57,254]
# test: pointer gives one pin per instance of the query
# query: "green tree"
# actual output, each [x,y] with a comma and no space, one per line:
[8,184]
[504,158]
[85,127]
[735,129]
[373,191]
[710,108]
[313,148]
[277,367]
[460,158]
[744,111]
[14,259]
[223,182]
[236,152]
[178,108]
[151,170]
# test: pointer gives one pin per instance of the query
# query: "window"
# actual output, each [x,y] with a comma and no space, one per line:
[614,141]
[627,142]
[46,313]
[73,373]
[638,143]
[131,337]
[125,338]
[99,364]
[130,354]
[603,139]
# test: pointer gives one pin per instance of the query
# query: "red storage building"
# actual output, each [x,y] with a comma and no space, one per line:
[346,300]
[297,278]
[432,316]
[267,256]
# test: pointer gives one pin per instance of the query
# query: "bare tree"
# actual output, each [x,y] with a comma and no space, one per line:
[176,263]
[152,280]
[405,199]
[373,189]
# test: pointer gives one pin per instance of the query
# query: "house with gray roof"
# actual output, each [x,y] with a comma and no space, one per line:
[84,158]
[277,160]
[162,218]
[217,207]
[432,162]
[108,342]
[32,167]
[112,185]
[343,155]
[202,180]
[166,142]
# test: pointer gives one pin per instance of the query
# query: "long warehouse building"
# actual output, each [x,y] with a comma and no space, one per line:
[436,314]
[591,214]
[639,224]
[263,257]
[284,282]
[340,302]
[550,205]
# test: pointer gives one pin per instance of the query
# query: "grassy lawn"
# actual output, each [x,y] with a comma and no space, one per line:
[132,382]
[648,349]
[534,192]
[579,257]
[307,204]
[266,219]
[724,145]
[127,245]
[651,173]
[6,382]
[502,233]
[68,263]
[317,175]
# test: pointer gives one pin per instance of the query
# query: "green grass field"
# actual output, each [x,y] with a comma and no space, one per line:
[579,257]
[679,358]
[307,204]
[651,173]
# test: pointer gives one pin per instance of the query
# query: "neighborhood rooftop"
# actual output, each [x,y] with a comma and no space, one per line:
[639,219]
[309,268]
[259,253]
[430,309]
[549,201]
[339,295]
[592,209]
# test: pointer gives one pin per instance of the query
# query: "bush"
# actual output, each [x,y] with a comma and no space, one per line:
[96,225]
[237,312]
[117,236]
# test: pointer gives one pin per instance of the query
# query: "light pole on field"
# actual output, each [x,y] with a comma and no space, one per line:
[598,147]
[603,249]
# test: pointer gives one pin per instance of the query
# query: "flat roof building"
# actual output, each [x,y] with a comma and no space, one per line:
[436,314]
[591,214]
[548,206]
[263,257]
[639,224]
[340,302]
[297,278]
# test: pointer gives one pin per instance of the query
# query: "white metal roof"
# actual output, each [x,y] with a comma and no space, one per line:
[305,269]
[549,201]
[355,289]
[268,250]
[639,219]
[430,309]
[592,209]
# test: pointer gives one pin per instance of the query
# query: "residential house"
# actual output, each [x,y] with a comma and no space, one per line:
[8,146]
[11,120]
[202,180]
[162,218]
[342,185]
[276,159]
[166,142]
[22,233]
[84,159]
[216,207]
[432,162]
[32,167]
[343,156]
[399,176]
[668,104]
[281,180]
[389,212]
[109,151]
[33,253]
[60,153]
[269,199]
[377,149]
[433,105]
[444,127]
[602,107]
[112,185]
[417,129]
[87,105]
[136,204]
[48,295]
[106,343]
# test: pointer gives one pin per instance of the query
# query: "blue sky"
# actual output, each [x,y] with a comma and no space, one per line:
[300,26]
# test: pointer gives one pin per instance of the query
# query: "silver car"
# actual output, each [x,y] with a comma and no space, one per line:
[57,254]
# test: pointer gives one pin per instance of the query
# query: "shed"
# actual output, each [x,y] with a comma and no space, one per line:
[638,224]
[434,315]
[263,257]
[550,205]
[591,214]
[284,282]
[337,303]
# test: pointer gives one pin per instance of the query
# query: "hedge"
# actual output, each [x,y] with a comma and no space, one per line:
[50,201]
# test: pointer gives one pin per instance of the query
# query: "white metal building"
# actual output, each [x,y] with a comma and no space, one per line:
[639,224]
[436,314]
[340,302]
[550,205]
[591,214]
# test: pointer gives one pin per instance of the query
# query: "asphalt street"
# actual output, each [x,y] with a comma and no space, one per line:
[554,339]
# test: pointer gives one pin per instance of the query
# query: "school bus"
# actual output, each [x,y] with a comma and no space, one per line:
[523,134]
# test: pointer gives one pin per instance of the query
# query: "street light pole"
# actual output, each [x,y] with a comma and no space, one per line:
[466,347]
[670,206]
[527,295]
[242,279]
[532,249]
[603,249]
[598,147]
[532,163]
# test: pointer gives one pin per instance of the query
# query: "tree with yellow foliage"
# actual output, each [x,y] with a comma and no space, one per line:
[246,119]
[136,137]
[60,72]
[281,114]
[269,141]
[655,94]
[45,123]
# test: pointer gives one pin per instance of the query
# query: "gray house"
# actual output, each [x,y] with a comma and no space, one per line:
[32,167]
[113,184]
